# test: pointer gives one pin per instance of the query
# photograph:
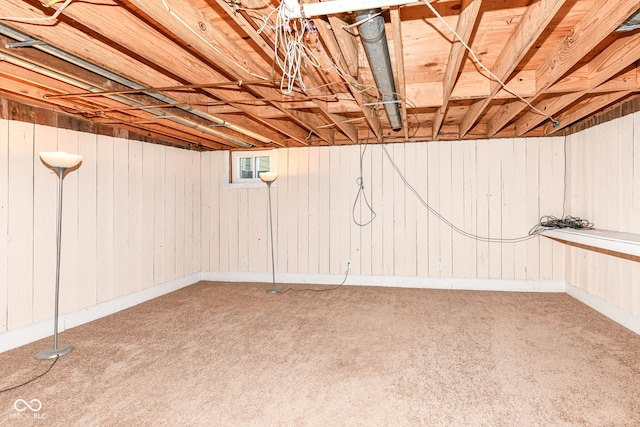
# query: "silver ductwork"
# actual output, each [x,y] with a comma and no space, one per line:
[374,40]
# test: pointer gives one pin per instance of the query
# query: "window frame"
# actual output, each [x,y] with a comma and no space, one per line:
[232,168]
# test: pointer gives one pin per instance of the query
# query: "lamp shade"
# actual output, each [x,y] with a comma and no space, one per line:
[268,176]
[59,159]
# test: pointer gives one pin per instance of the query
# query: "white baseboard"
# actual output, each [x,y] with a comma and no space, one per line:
[392,281]
[613,312]
[42,329]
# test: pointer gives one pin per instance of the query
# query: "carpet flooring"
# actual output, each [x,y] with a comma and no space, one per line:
[230,354]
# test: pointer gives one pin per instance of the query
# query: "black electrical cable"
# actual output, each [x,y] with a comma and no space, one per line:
[32,379]
[550,221]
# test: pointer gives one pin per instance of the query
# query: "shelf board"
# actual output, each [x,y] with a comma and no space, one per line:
[616,241]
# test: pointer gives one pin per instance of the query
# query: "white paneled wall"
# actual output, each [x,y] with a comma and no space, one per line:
[604,187]
[494,188]
[131,220]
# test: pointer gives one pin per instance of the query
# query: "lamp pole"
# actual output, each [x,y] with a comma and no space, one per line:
[59,162]
[269,178]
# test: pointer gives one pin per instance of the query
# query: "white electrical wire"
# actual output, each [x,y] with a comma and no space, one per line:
[218,51]
[43,19]
[475,58]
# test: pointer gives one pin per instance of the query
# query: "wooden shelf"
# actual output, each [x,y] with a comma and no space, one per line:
[626,243]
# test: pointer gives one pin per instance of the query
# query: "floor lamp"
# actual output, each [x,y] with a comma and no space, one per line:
[59,162]
[269,178]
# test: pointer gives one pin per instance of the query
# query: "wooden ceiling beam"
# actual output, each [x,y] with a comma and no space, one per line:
[268,49]
[151,45]
[613,60]
[329,39]
[533,22]
[183,20]
[586,108]
[398,50]
[600,21]
[464,27]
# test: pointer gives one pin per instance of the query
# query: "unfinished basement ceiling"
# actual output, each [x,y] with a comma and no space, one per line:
[209,73]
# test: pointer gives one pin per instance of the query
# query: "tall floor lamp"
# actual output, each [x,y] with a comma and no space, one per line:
[269,178]
[59,162]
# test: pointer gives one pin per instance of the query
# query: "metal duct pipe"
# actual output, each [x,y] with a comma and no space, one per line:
[374,40]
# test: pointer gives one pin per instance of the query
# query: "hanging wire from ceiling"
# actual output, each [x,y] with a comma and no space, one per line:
[43,19]
[491,74]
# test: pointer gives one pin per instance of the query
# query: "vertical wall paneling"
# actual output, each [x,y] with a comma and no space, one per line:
[160,190]
[293,201]
[302,208]
[446,197]
[105,289]
[194,213]
[246,228]
[557,198]
[206,207]
[532,205]
[412,173]
[400,212]
[217,196]
[459,265]
[20,224]
[148,213]
[547,187]
[4,222]
[604,180]
[121,215]
[334,208]
[495,209]
[508,202]
[470,190]
[483,162]
[433,199]
[379,164]
[180,174]
[324,216]
[314,209]
[86,292]
[387,211]
[282,216]
[135,203]
[518,207]
[45,206]
[422,213]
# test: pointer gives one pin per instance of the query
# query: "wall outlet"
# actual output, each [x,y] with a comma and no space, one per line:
[439,266]
[348,265]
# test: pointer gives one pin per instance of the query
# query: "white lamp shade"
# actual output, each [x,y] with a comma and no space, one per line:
[268,176]
[59,159]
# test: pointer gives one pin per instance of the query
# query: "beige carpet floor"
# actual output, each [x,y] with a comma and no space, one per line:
[229,354]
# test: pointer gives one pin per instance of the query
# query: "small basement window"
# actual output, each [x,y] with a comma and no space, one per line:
[245,167]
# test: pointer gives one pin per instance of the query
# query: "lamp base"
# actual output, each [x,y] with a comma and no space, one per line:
[274,290]
[50,352]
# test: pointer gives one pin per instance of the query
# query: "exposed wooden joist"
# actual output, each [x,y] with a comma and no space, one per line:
[329,39]
[178,62]
[614,59]
[585,109]
[533,22]
[464,28]
[396,26]
[347,128]
[601,19]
